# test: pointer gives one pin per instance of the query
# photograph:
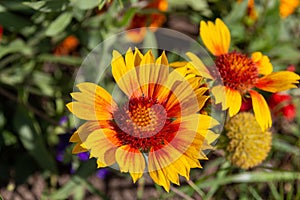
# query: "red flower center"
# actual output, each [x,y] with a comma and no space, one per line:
[238,72]
[142,123]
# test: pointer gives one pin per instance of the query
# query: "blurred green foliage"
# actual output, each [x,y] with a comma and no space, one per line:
[35,86]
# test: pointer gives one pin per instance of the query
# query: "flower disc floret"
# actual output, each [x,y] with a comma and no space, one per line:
[248,145]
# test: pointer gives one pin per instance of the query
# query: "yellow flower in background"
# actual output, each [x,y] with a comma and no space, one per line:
[287,7]
[158,129]
[241,74]
[248,145]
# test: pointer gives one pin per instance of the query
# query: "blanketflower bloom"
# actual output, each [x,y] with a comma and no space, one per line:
[247,145]
[287,7]
[157,129]
[241,74]
[141,21]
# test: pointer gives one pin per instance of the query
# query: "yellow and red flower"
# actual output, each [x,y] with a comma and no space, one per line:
[153,21]
[158,129]
[241,74]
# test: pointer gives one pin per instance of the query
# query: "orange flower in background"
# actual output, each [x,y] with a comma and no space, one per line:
[241,74]
[251,11]
[68,45]
[141,21]
[157,129]
[287,7]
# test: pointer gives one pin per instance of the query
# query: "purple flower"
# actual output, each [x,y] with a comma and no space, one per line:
[83,156]
[63,120]
[102,173]
[62,145]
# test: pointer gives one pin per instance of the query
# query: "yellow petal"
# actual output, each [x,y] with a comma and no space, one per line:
[100,164]
[278,81]
[211,136]
[125,73]
[95,92]
[261,110]
[145,71]
[131,160]
[78,149]
[94,103]
[102,144]
[198,65]
[178,64]
[75,137]
[138,56]
[84,130]
[216,37]
[165,164]
[263,63]
[89,112]
[233,101]
[201,122]
[158,73]
[118,65]
[219,93]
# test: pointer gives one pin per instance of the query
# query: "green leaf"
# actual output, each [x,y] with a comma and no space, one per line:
[237,13]
[48,6]
[87,4]
[17,73]
[32,139]
[68,60]
[251,177]
[127,17]
[13,21]
[16,5]
[101,4]
[283,146]
[44,82]
[59,24]
[16,46]
[9,138]
[35,5]
[78,181]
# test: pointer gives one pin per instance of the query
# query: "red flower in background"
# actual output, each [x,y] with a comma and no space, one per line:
[291,68]
[281,104]
[246,105]
[1,32]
